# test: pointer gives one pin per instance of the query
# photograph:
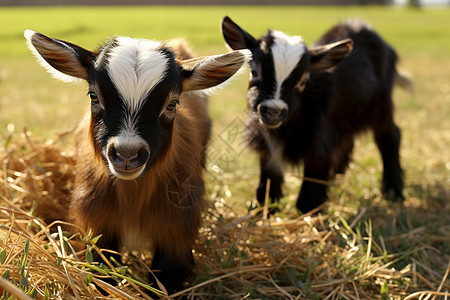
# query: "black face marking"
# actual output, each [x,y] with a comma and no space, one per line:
[262,77]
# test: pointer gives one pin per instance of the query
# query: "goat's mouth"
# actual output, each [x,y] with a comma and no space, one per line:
[126,174]
[270,124]
[271,121]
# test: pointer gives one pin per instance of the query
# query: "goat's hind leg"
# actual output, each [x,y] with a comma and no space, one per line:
[387,139]
[342,155]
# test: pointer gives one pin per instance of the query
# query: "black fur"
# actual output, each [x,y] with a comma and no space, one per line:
[323,120]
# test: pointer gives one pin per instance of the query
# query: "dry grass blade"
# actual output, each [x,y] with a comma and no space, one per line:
[443,279]
[64,263]
[427,294]
[13,290]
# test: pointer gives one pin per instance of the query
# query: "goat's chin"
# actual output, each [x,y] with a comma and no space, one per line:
[126,175]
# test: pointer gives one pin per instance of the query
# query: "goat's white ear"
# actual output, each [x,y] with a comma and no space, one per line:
[328,56]
[63,60]
[208,72]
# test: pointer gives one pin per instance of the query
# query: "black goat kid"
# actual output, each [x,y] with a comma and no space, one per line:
[307,105]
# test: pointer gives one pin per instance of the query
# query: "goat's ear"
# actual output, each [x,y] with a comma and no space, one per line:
[208,72]
[63,60]
[236,37]
[328,56]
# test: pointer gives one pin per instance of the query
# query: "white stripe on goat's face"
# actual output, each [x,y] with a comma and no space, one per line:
[135,67]
[287,52]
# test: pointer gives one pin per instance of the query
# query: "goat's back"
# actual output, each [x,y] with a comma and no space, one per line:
[362,83]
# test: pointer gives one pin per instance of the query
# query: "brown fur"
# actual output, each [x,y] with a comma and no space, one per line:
[145,209]
[180,48]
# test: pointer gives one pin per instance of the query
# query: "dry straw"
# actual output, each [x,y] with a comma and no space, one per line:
[239,255]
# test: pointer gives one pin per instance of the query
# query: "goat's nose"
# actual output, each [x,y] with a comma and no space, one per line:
[271,112]
[127,158]
[274,112]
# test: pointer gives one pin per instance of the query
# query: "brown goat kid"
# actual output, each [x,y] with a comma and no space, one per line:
[141,148]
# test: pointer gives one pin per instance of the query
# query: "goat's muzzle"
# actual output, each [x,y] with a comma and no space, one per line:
[270,116]
[127,162]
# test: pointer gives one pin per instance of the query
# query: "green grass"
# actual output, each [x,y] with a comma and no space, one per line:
[201,24]
[30,98]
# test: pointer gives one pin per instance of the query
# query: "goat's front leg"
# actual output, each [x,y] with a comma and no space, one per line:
[314,188]
[171,269]
[274,171]
[108,243]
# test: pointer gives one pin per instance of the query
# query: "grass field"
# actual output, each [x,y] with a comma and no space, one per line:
[414,237]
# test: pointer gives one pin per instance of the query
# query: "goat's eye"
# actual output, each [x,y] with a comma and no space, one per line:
[303,81]
[254,72]
[254,80]
[173,105]
[93,96]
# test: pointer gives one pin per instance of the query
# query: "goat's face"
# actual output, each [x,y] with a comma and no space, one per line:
[280,64]
[134,93]
[280,69]
[135,87]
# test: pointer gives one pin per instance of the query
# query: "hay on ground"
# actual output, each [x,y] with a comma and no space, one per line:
[239,255]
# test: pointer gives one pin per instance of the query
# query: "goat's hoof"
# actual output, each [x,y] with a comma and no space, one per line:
[393,196]
[305,206]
